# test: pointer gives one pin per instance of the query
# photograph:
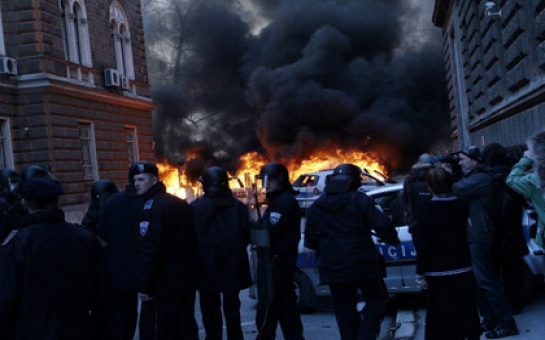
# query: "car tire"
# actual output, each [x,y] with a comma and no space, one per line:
[304,291]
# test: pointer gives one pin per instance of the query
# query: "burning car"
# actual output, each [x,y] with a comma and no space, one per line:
[311,185]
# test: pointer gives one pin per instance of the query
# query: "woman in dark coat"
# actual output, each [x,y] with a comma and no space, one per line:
[222,225]
[444,264]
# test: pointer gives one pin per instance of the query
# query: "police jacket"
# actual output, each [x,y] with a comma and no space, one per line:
[222,228]
[48,279]
[118,226]
[282,218]
[339,229]
[168,259]
[477,188]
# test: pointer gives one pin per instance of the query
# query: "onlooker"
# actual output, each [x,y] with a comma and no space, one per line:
[509,244]
[118,227]
[477,187]
[222,228]
[48,271]
[276,300]
[444,263]
[338,228]
[524,180]
[167,262]
[416,194]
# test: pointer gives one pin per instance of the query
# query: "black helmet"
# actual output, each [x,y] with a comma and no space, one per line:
[345,177]
[32,171]
[214,179]
[278,172]
[102,187]
[9,180]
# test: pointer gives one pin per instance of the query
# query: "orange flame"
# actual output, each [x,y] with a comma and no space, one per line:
[250,164]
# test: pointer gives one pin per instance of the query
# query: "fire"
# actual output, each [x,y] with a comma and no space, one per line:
[177,182]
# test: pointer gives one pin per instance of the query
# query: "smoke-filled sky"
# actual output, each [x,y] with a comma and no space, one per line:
[289,78]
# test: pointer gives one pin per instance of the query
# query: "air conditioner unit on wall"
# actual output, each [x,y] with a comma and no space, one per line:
[8,66]
[125,83]
[111,77]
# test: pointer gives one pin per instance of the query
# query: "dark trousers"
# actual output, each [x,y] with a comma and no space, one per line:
[276,300]
[211,306]
[345,301]
[491,298]
[170,318]
[125,306]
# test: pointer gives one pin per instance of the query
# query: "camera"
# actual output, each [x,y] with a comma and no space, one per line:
[450,158]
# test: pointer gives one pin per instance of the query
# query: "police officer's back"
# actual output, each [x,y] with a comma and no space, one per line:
[222,225]
[48,271]
[339,226]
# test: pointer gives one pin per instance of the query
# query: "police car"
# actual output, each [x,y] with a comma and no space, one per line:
[400,260]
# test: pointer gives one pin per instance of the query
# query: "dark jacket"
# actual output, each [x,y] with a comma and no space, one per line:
[339,229]
[48,279]
[443,247]
[118,226]
[222,228]
[477,188]
[168,259]
[283,220]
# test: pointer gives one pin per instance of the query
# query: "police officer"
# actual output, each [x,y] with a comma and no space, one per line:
[10,204]
[167,260]
[48,271]
[118,227]
[103,313]
[9,197]
[222,227]
[276,302]
[338,228]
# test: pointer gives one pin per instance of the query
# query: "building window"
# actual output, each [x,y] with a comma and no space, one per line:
[88,153]
[132,145]
[119,26]
[6,155]
[75,32]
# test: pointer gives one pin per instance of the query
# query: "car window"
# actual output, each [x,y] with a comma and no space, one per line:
[393,206]
[306,180]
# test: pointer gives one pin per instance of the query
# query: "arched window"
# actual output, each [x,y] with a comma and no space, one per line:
[75,32]
[119,26]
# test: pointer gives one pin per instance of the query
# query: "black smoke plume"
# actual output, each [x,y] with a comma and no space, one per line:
[348,74]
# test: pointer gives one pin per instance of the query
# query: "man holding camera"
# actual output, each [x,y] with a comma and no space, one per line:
[477,187]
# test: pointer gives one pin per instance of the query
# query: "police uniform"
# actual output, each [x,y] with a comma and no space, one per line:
[338,228]
[118,226]
[222,225]
[48,273]
[277,302]
[167,263]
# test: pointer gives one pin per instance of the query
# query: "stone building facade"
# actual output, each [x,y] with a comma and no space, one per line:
[495,63]
[74,91]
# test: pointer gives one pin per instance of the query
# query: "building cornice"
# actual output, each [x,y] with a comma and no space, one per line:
[81,90]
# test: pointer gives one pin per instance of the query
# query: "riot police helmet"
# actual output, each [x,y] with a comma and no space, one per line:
[345,177]
[214,179]
[275,177]
[9,180]
[33,170]
[102,188]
